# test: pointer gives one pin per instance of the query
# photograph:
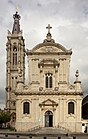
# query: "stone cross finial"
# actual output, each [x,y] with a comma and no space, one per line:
[48,27]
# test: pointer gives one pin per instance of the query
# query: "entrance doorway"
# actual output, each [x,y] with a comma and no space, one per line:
[48,119]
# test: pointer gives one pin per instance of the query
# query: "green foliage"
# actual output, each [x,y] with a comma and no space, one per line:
[5,117]
[12,129]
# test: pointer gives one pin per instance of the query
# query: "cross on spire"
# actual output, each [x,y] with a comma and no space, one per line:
[48,27]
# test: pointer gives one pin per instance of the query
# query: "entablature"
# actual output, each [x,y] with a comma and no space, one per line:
[47,93]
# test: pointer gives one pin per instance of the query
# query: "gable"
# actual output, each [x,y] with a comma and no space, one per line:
[48,102]
[49,47]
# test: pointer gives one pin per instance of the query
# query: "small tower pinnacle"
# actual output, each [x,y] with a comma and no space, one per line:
[77,75]
[77,83]
[16,25]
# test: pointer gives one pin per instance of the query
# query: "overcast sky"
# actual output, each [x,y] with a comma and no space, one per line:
[69,21]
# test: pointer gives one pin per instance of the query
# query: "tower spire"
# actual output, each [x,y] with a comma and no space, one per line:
[16,25]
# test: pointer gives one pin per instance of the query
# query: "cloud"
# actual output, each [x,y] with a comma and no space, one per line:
[11,2]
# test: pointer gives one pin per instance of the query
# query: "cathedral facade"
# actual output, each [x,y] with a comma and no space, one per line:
[48,100]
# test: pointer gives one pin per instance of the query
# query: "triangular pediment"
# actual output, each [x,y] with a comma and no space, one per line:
[48,102]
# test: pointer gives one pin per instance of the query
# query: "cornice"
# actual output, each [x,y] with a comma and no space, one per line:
[48,53]
[47,93]
[77,82]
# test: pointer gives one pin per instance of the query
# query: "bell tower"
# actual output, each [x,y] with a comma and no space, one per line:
[15,62]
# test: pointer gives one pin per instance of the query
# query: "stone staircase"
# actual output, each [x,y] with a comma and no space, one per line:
[48,130]
[64,128]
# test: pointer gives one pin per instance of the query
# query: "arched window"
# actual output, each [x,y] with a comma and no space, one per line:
[14,56]
[48,80]
[71,107]
[26,107]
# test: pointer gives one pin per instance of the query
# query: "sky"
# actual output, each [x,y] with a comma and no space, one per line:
[69,21]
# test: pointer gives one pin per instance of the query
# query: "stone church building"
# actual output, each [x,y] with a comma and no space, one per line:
[48,100]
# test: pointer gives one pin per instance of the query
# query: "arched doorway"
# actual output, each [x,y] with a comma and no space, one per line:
[48,119]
